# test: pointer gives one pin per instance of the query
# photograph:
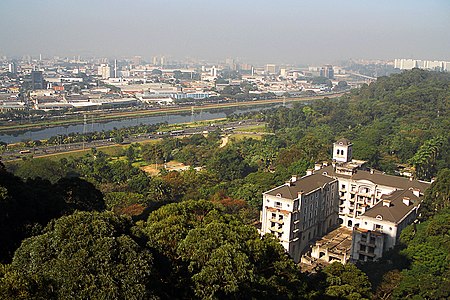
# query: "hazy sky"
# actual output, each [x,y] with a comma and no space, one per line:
[279,31]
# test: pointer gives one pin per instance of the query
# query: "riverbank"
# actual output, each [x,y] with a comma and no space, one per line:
[109,116]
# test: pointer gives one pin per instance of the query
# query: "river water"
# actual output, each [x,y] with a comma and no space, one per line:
[201,115]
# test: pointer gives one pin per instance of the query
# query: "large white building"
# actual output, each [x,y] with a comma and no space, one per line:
[300,211]
[370,202]
[380,227]
[408,64]
[105,71]
[360,189]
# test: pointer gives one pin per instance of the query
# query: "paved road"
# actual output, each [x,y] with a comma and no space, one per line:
[48,150]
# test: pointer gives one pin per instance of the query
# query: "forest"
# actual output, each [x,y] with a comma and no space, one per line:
[98,227]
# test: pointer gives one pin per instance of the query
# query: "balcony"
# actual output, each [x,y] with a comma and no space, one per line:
[366,253]
[278,221]
[276,229]
[367,243]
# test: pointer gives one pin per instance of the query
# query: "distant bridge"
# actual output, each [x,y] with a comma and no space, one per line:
[363,76]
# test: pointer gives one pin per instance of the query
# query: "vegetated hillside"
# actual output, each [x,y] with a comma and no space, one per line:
[180,246]
[401,119]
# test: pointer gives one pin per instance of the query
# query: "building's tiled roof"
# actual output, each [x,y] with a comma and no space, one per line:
[343,141]
[379,179]
[397,209]
[305,185]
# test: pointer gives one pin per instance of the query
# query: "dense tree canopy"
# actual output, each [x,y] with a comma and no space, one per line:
[85,255]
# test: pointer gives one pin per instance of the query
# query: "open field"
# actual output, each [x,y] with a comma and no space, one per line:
[258,128]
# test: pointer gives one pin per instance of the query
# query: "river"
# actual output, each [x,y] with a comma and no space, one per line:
[174,118]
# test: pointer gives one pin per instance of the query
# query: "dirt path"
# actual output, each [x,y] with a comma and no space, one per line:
[224,141]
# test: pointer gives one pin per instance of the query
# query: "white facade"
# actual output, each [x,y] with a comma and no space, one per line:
[408,64]
[384,223]
[105,71]
[299,211]
[342,150]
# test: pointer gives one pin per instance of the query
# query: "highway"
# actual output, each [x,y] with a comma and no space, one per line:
[63,148]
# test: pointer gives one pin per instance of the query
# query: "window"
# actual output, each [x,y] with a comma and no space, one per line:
[337,152]
[280,226]
[343,186]
[372,240]
[279,235]
[361,257]
[371,249]
[278,204]
[272,224]
[274,215]
[280,217]
[362,248]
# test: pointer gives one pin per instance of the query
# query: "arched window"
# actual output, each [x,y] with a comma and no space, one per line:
[349,223]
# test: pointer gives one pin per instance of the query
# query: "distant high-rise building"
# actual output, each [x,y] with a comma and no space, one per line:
[408,64]
[327,71]
[214,71]
[270,69]
[105,71]
[37,80]
[12,68]
[116,71]
[162,61]
[155,60]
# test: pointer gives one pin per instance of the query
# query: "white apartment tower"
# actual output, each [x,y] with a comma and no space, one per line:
[300,211]
[105,71]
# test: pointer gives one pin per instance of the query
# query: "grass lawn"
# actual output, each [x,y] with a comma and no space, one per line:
[240,136]
[257,128]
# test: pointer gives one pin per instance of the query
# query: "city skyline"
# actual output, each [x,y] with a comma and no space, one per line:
[254,31]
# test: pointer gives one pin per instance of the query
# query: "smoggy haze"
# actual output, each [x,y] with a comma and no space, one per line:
[277,31]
